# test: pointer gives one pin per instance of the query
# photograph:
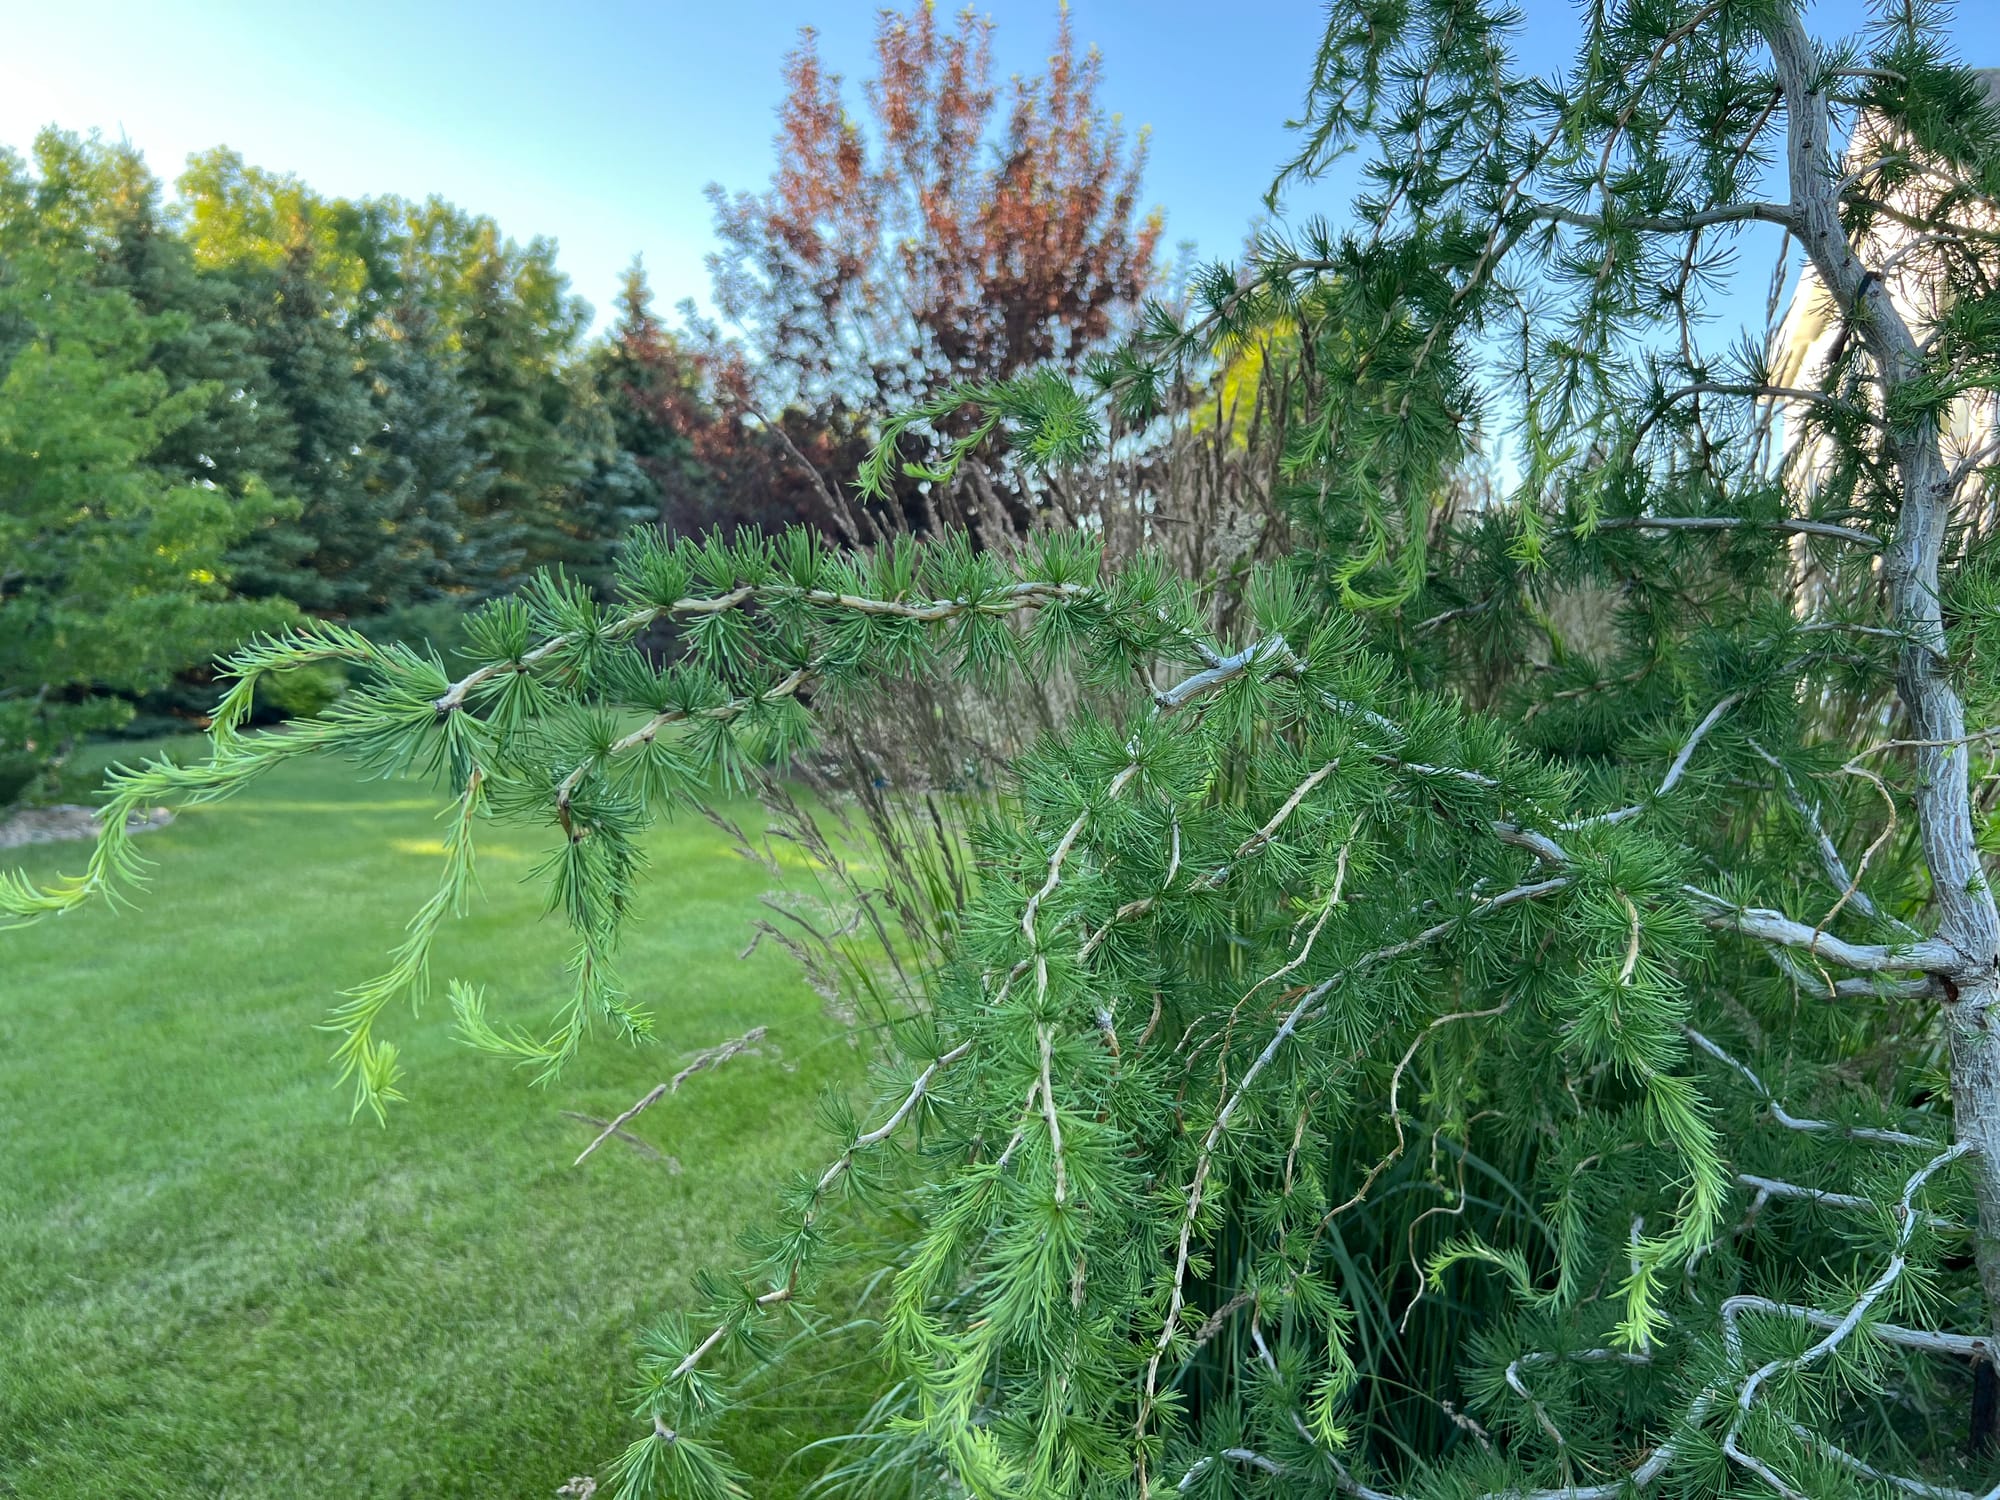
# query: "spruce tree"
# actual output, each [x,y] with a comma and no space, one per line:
[429,474]
[605,490]
[652,390]
[518,320]
[1333,1086]
[297,274]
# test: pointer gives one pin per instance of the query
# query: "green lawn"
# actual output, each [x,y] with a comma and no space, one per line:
[213,1283]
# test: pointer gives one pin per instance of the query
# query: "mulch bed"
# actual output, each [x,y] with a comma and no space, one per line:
[69,820]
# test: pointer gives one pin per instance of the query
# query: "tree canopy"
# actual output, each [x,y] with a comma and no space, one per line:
[111,549]
[402,411]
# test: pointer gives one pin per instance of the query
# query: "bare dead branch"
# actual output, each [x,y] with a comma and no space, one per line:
[1793,1122]
[607,1128]
[1795,524]
[1728,213]
[710,1057]
[1928,954]
[715,1057]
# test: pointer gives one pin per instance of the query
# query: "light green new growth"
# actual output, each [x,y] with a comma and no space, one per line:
[1348,1072]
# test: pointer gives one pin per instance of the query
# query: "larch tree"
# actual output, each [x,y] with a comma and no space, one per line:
[1330,1087]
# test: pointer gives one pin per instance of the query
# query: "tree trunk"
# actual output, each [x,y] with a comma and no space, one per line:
[1966,915]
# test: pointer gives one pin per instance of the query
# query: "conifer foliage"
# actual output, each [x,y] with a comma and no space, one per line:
[1330,1088]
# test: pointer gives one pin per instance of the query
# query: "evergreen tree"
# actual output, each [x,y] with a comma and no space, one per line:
[418,358]
[685,410]
[652,390]
[297,280]
[516,322]
[429,473]
[111,565]
[100,197]
[605,492]
[1332,1086]
[321,384]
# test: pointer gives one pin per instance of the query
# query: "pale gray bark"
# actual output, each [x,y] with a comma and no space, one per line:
[1968,925]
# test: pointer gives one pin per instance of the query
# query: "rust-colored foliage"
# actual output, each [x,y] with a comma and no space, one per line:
[955,237]
[686,409]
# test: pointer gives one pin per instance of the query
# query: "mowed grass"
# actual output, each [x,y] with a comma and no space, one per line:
[214,1283]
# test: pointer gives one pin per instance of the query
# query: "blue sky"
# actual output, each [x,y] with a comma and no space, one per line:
[600,124]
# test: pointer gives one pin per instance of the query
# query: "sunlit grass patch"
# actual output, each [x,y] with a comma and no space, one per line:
[213,1283]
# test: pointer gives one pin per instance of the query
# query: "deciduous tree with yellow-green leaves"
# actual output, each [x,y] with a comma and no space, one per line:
[111,558]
